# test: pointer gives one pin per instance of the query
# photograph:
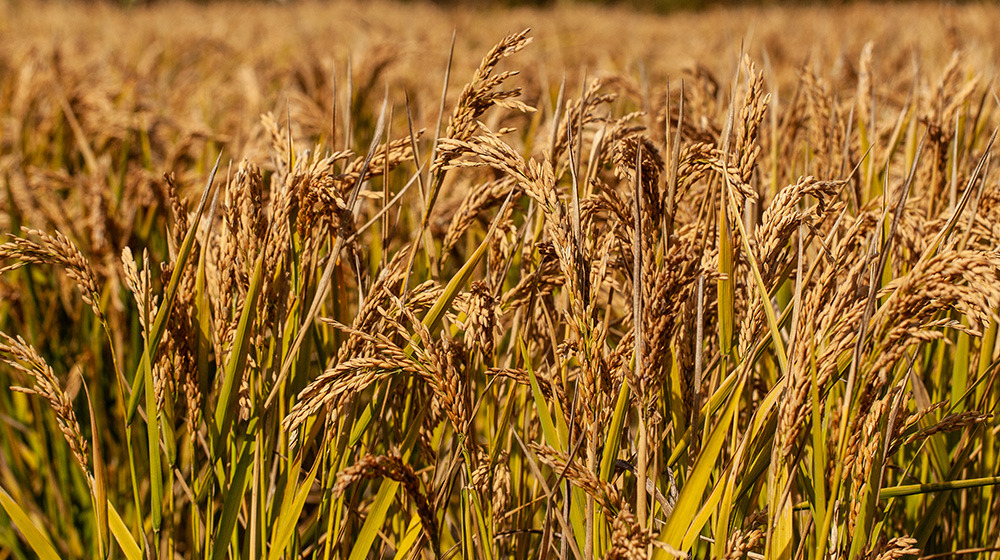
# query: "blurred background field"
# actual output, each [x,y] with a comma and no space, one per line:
[99,103]
[276,52]
[212,69]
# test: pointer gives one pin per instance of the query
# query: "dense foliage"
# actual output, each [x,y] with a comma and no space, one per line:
[274,288]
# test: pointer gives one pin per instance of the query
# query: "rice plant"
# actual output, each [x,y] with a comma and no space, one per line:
[272,293]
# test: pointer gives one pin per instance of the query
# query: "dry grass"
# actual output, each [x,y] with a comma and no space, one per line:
[709,285]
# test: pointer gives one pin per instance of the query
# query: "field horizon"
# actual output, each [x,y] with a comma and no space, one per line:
[397,280]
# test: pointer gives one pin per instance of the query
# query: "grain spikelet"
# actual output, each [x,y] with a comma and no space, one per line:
[741,542]
[893,549]
[393,468]
[536,179]
[475,202]
[479,95]
[629,540]
[481,325]
[22,357]
[138,281]
[54,249]
[751,115]
[602,492]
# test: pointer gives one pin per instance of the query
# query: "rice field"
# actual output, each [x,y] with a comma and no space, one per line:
[345,280]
